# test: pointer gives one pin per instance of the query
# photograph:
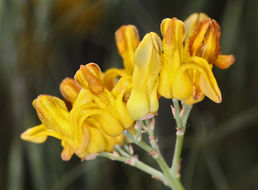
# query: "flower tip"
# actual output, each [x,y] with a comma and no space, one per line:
[34,134]
[224,61]
[65,157]
[90,77]
[23,136]
[217,99]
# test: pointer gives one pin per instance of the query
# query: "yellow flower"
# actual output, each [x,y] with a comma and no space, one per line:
[69,89]
[113,115]
[188,57]
[142,63]
[127,40]
[144,98]
[82,130]
[55,122]
[202,39]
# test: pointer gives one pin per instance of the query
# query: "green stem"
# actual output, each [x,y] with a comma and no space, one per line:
[137,164]
[177,113]
[173,182]
[177,155]
[181,121]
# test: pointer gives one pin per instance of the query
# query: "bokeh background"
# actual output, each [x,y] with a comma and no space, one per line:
[43,41]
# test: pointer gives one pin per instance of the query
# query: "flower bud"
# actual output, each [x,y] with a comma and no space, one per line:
[205,40]
[90,77]
[69,89]
[145,79]
[127,40]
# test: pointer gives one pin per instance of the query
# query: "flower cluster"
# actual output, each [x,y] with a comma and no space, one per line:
[179,66]
[95,122]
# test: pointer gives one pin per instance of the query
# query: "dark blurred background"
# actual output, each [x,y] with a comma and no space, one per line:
[43,41]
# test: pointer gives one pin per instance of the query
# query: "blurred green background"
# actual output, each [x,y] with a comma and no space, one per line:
[43,41]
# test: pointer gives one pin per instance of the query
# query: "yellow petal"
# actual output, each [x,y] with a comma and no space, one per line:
[69,89]
[192,22]
[111,142]
[173,35]
[207,81]
[127,40]
[191,100]
[53,114]
[67,151]
[119,105]
[183,86]
[143,98]
[83,138]
[122,85]
[205,41]
[224,61]
[90,77]
[110,123]
[97,141]
[81,134]
[84,97]
[111,75]
[121,110]
[37,134]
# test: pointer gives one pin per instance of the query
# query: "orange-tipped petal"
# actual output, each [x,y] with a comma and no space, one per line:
[206,81]
[224,61]
[69,89]
[90,77]
[173,36]
[127,40]
[37,134]
[205,40]
[192,22]
[53,114]
[67,152]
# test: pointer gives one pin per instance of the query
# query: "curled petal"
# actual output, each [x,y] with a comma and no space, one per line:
[111,142]
[69,89]
[67,152]
[121,110]
[143,98]
[111,75]
[122,85]
[84,97]
[224,61]
[81,133]
[173,36]
[97,142]
[192,22]
[183,86]
[119,105]
[110,123]
[190,100]
[53,114]
[127,40]
[205,40]
[90,77]
[82,139]
[206,80]
[37,134]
